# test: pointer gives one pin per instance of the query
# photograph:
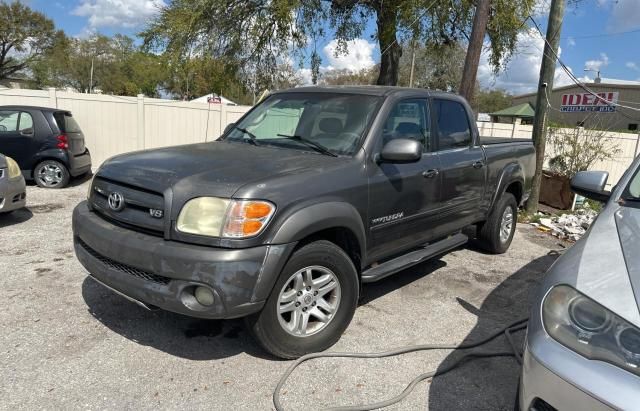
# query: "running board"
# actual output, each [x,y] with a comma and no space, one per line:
[415,257]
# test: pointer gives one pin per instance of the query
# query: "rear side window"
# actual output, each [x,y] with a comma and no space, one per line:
[26,123]
[9,121]
[453,124]
[66,123]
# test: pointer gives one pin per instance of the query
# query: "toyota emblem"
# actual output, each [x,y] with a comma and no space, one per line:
[116,201]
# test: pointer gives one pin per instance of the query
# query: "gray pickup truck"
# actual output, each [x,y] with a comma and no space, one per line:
[312,193]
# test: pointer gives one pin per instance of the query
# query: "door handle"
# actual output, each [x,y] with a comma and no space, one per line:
[478,164]
[430,173]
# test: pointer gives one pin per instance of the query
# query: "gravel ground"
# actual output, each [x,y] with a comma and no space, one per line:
[67,343]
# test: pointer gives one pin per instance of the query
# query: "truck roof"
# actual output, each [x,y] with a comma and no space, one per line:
[367,90]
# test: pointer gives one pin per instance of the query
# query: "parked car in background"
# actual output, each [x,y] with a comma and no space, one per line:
[582,349]
[312,193]
[47,144]
[13,194]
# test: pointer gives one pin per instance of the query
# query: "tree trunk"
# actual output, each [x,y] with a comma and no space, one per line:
[472,60]
[389,47]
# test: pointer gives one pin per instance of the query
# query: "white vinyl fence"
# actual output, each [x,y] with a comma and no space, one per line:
[114,125]
[627,144]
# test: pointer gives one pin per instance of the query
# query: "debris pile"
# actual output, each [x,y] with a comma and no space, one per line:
[567,226]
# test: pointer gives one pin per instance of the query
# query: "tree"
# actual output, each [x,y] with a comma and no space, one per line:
[345,77]
[574,150]
[265,33]
[25,35]
[437,66]
[490,101]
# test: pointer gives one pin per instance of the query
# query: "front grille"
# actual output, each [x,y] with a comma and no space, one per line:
[123,268]
[138,205]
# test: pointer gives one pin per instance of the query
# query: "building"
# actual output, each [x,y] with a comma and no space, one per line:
[573,106]
[520,114]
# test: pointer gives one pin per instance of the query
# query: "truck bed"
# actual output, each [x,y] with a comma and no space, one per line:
[503,140]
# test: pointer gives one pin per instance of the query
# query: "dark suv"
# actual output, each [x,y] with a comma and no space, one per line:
[47,144]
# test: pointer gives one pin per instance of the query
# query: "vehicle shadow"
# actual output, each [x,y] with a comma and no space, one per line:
[15,217]
[490,384]
[175,334]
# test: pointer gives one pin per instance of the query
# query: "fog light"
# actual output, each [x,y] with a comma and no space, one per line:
[204,296]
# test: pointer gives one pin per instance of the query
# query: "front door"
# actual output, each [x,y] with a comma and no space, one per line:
[16,137]
[462,166]
[403,197]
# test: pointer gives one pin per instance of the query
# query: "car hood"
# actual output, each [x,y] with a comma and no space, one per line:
[213,169]
[605,263]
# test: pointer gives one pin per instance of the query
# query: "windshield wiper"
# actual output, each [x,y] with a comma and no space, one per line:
[318,147]
[252,137]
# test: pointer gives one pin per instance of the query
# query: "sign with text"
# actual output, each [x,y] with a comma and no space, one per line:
[587,102]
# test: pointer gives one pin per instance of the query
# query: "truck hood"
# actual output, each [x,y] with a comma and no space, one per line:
[605,263]
[213,169]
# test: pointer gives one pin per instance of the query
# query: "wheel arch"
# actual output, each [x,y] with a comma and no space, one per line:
[511,180]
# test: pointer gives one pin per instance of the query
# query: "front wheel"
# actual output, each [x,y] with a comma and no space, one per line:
[497,232]
[312,302]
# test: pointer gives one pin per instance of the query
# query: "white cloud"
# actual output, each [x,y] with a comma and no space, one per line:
[625,14]
[571,41]
[633,66]
[598,64]
[117,13]
[359,55]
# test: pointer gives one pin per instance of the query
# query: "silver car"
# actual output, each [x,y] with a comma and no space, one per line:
[583,341]
[13,194]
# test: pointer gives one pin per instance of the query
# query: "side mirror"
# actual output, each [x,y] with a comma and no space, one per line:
[590,184]
[401,150]
[228,128]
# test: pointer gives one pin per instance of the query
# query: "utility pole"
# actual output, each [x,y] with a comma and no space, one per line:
[413,61]
[545,85]
[472,59]
[91,76]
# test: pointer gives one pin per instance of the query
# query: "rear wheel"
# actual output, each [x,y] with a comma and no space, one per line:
[311,304]
[497,232]
[51,174]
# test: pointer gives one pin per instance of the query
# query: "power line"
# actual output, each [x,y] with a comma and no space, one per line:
[410,26]
[574,78]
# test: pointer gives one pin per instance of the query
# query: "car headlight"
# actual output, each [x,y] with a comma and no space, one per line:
[13,169]
[220,217]
[90,186]
[591,330]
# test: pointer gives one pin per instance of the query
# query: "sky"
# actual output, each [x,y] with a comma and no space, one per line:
[596,34]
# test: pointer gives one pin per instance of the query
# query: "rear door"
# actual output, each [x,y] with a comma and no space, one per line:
[462,163]
[404,197]
[17,137]
[69,127]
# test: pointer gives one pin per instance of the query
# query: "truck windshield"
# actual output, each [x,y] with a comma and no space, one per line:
[324,123]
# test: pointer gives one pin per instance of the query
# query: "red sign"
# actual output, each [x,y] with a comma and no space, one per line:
[600,102]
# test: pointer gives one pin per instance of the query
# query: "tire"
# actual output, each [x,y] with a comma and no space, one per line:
[51,174]
[323,260]
[491,236]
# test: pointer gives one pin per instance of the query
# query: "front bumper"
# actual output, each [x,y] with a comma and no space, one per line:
[566,380]
[164,274]
[13,194]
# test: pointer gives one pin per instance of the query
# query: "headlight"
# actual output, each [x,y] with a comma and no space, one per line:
[90,186]
[13,169]
[219,217]
[589,329]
